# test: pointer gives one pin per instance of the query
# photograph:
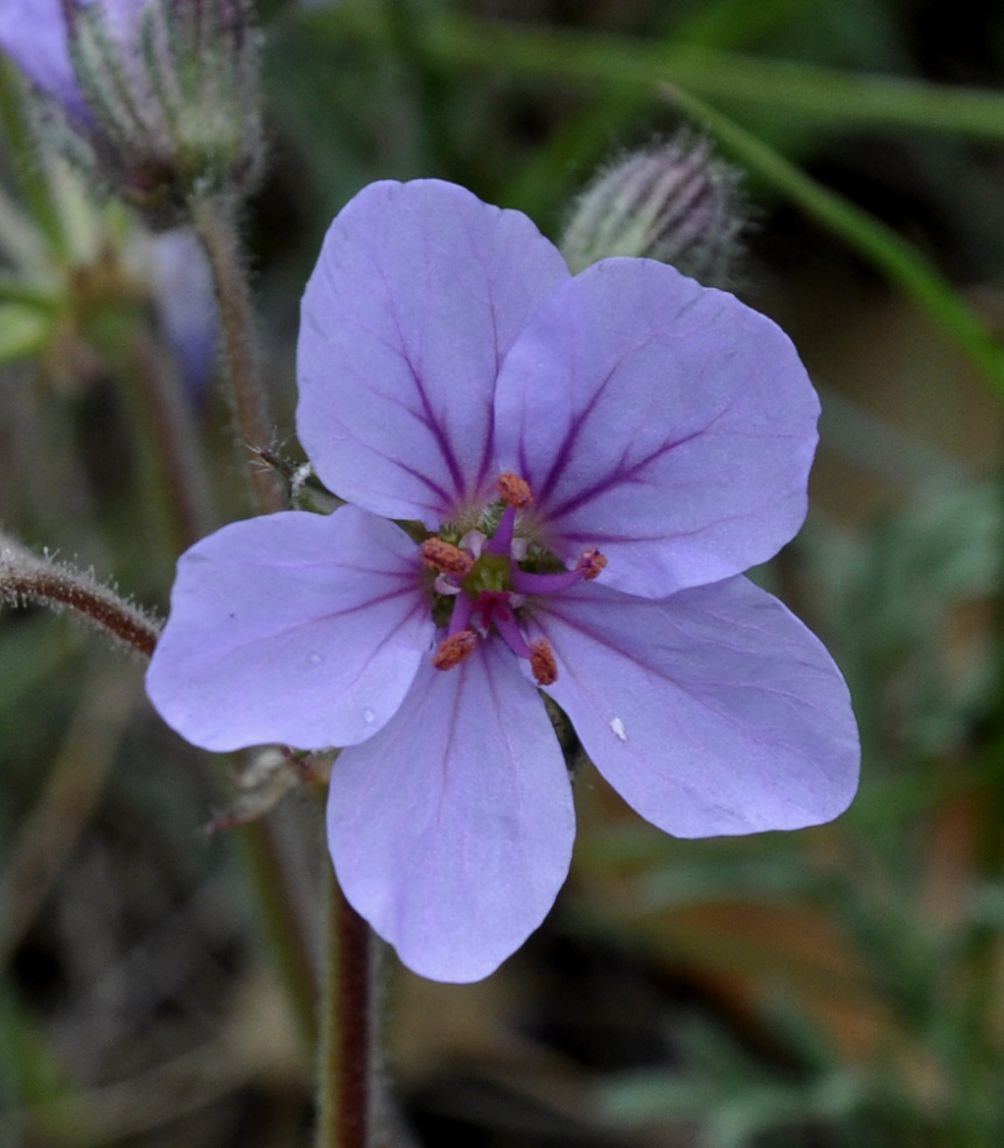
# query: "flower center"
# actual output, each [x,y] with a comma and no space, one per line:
[483,581]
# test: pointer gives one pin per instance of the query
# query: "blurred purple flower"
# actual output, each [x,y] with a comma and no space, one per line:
[183,292]
[33,33]
[596,459]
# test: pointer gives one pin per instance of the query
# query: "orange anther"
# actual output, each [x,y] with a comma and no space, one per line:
[514,491]
[454,650]
[592,564]
[545,668]
[446,558]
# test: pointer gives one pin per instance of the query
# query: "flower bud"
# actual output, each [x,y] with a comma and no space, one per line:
[676,203]
[158,98]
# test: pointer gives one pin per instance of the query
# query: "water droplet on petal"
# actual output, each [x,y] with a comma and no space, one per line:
[315,659]
[369,716]
[618,727]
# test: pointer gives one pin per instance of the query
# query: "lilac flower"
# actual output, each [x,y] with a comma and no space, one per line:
[593,462]
[33,34]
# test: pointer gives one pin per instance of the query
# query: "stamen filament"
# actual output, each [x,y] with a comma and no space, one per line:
[501,541]
[460,619]
[589,566]
[524,582]
[510,633]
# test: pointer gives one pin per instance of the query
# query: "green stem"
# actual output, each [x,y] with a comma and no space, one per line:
[214,223]
[166,428]
[345,1069]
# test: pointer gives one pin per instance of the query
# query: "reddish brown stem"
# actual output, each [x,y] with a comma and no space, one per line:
[25,578]
[347,1037]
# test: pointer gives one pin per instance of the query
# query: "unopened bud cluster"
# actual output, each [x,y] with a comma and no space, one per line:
[676,203]
[171,108]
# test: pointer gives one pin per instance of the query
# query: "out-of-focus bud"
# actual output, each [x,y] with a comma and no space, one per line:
[158,98]
[33,34]
[677,203]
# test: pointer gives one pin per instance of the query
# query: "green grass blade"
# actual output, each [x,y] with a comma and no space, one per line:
[796,90]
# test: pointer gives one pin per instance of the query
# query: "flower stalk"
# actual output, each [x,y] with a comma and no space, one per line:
[346,1056]
[25,578]
[214,225]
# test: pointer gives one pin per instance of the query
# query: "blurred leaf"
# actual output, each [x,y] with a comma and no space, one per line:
[15,289]
[578,145]
[22,150]
[825,96]
[906,612]
[30,652]
[23,331]
[732,1097]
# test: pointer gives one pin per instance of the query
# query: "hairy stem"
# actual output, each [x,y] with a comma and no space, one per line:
[213,222]
[25,578]
[347,1037]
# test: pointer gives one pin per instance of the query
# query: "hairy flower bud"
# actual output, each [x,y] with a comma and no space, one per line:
[676,203]
[158,98]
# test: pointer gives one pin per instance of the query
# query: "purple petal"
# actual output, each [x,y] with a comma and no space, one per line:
[714,711]
[451,830]
[33,34]
[419,292]
[295,628]
[661,421]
